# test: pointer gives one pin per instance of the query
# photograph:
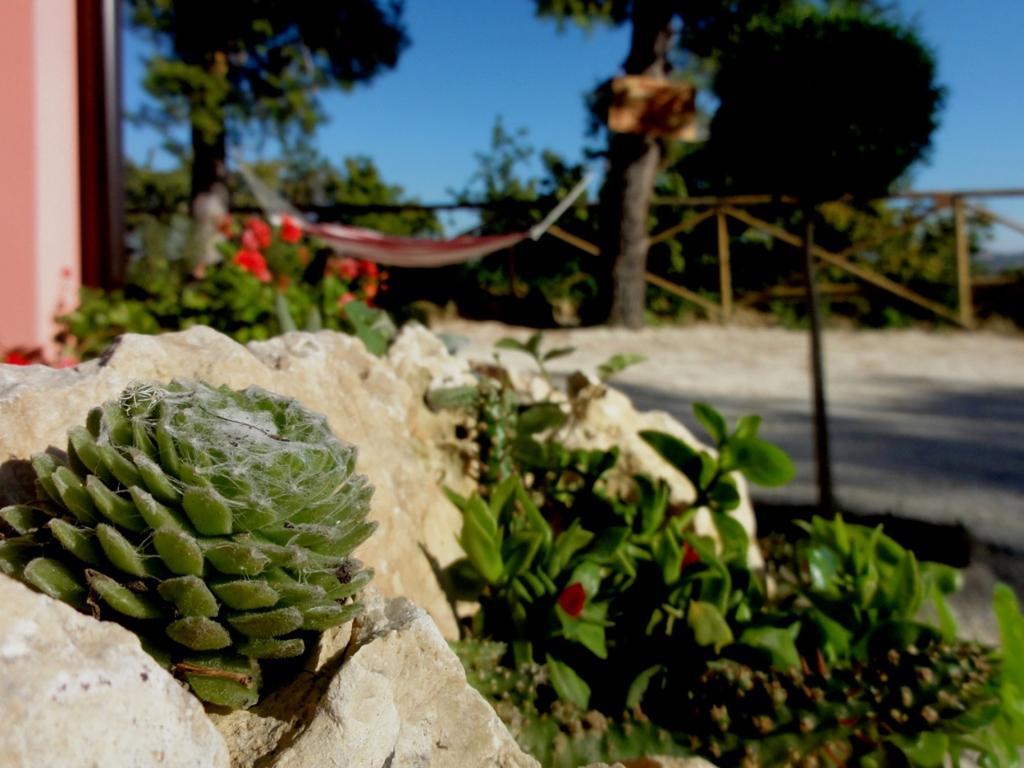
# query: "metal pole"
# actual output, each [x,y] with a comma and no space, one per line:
[724,265]
[963,264]
[821,443]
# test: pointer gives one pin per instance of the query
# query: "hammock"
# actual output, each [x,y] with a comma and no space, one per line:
[393,251]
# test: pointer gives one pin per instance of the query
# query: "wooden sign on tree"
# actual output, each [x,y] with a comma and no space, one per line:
[653,106]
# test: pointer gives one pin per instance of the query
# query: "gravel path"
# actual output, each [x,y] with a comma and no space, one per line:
[926,425]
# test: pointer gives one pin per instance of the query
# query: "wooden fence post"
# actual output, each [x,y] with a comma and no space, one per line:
[963,264]
[724,265]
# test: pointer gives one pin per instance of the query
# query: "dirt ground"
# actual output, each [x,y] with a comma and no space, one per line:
[925,425]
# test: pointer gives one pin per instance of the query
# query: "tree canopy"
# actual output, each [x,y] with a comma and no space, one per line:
[263,60]
[820,105]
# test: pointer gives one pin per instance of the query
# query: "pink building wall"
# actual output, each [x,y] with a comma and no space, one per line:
[39,255]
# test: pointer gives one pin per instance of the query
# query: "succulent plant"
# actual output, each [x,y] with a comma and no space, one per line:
[217,524]
[853,714]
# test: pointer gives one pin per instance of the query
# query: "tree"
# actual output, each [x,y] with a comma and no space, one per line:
[633,159]
[700,29]
[818,106]
[229,65]
[822,105]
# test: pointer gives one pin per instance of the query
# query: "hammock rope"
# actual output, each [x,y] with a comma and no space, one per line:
[395,251]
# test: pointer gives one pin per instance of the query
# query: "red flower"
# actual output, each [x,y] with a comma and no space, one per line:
[261,229]
[347,268]
[253,263]
[345,299]
[690,557]
[16,358]
[369,268]
[291,232]
[369,289]
[572,599]
[250,240]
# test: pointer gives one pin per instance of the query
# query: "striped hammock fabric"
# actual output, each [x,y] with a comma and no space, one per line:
[393,251]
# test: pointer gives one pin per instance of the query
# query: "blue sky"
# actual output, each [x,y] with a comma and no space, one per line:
[471,61]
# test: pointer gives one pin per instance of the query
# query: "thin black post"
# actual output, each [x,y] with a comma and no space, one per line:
[822,456]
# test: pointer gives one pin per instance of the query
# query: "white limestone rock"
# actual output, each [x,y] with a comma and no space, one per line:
[396,696]
[80,693]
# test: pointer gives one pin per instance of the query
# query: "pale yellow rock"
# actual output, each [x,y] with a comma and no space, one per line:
[80,693]
[397,696]
[366,403]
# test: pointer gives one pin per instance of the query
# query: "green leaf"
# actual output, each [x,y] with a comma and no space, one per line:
[502,493]
[927,749]
[534,518]
[824,567]
[668,554]
[908,591]
[567,684]
[724,494]
[589,575]
[372,326]
[778,642]
[567,543]
[652,502]
[539,418]
[481,542]
[510,343]
[554,354]
[747,427]
[616,364]
[669,447]
[638,687]
[762,463]
[1011,633]
[712,421]
[284,315]
[708,625]
[533,344]
[608,543]
[733,536]
[589,634]
[835,638]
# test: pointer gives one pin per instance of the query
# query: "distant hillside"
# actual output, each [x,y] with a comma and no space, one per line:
[996,263]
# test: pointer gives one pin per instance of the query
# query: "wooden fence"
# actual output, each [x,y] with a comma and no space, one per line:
[737,209]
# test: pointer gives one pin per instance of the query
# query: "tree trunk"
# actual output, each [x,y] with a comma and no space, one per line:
[633,165]
[209,192]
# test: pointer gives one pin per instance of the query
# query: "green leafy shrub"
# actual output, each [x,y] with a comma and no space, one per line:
[609,606]
[270,280]
[218,525]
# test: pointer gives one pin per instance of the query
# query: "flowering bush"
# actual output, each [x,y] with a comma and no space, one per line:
[269,280]
[34,356]
[609,626]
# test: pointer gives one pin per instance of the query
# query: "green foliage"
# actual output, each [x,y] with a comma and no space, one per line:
[261,62]
[216,524]
[843,123]
[269,281]
[606,598]
[307,179]
[540,283]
